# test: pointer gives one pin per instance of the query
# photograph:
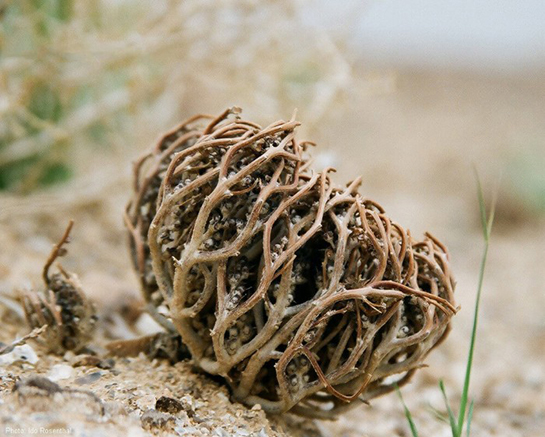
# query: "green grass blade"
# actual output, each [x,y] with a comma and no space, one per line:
[482,207]
[408,414]
[439,415]
[486,221]
[452,419]
[491,216]
[469,417]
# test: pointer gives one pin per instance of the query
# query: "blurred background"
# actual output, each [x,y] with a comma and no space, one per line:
[411,94]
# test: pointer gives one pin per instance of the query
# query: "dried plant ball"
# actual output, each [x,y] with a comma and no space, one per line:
[302,294]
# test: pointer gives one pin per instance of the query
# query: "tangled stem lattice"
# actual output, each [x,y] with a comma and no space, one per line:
[304,295]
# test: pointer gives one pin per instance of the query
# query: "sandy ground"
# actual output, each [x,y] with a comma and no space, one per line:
[415,142]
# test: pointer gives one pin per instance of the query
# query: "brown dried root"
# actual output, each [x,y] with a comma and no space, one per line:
[70,317]
[304,295]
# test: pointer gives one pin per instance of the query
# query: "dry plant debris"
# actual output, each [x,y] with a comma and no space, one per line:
[63,308]
[302,294]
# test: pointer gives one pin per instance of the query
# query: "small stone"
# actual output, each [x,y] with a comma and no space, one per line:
[60,371]
[222,396]
[221,433]
[85,360]
[106,364]
[146,325]
[152,420]
[115,409]
[228,418]
[37,384]
[88,379]
[188,430]
[23,353]
[187,403]
[69,356]
[168,405]
[146,402]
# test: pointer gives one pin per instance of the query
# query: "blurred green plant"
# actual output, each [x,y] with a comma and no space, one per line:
[40,106]
[527,177]
[77,75]
[465,411]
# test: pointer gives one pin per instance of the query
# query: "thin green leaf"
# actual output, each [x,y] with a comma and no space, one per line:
[439,415]
[482,206]
[486,221]
[408,414]
[452,419]
[491,215]
[469,417]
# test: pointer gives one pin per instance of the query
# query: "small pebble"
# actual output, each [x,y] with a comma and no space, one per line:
[187,403]
[146,325]
[88,379]
[60,371]
[85,360]
[37,383]
[106,364]
[146,402]
[115,409]
[168,405]
[221,433]
[189,430]
[152,420]
[23,353]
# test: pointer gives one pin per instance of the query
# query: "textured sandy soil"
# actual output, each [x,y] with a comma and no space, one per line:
[415,141]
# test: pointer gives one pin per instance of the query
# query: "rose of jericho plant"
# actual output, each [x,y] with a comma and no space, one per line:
[301,293]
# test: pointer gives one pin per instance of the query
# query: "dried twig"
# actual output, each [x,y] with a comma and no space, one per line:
[36,332]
